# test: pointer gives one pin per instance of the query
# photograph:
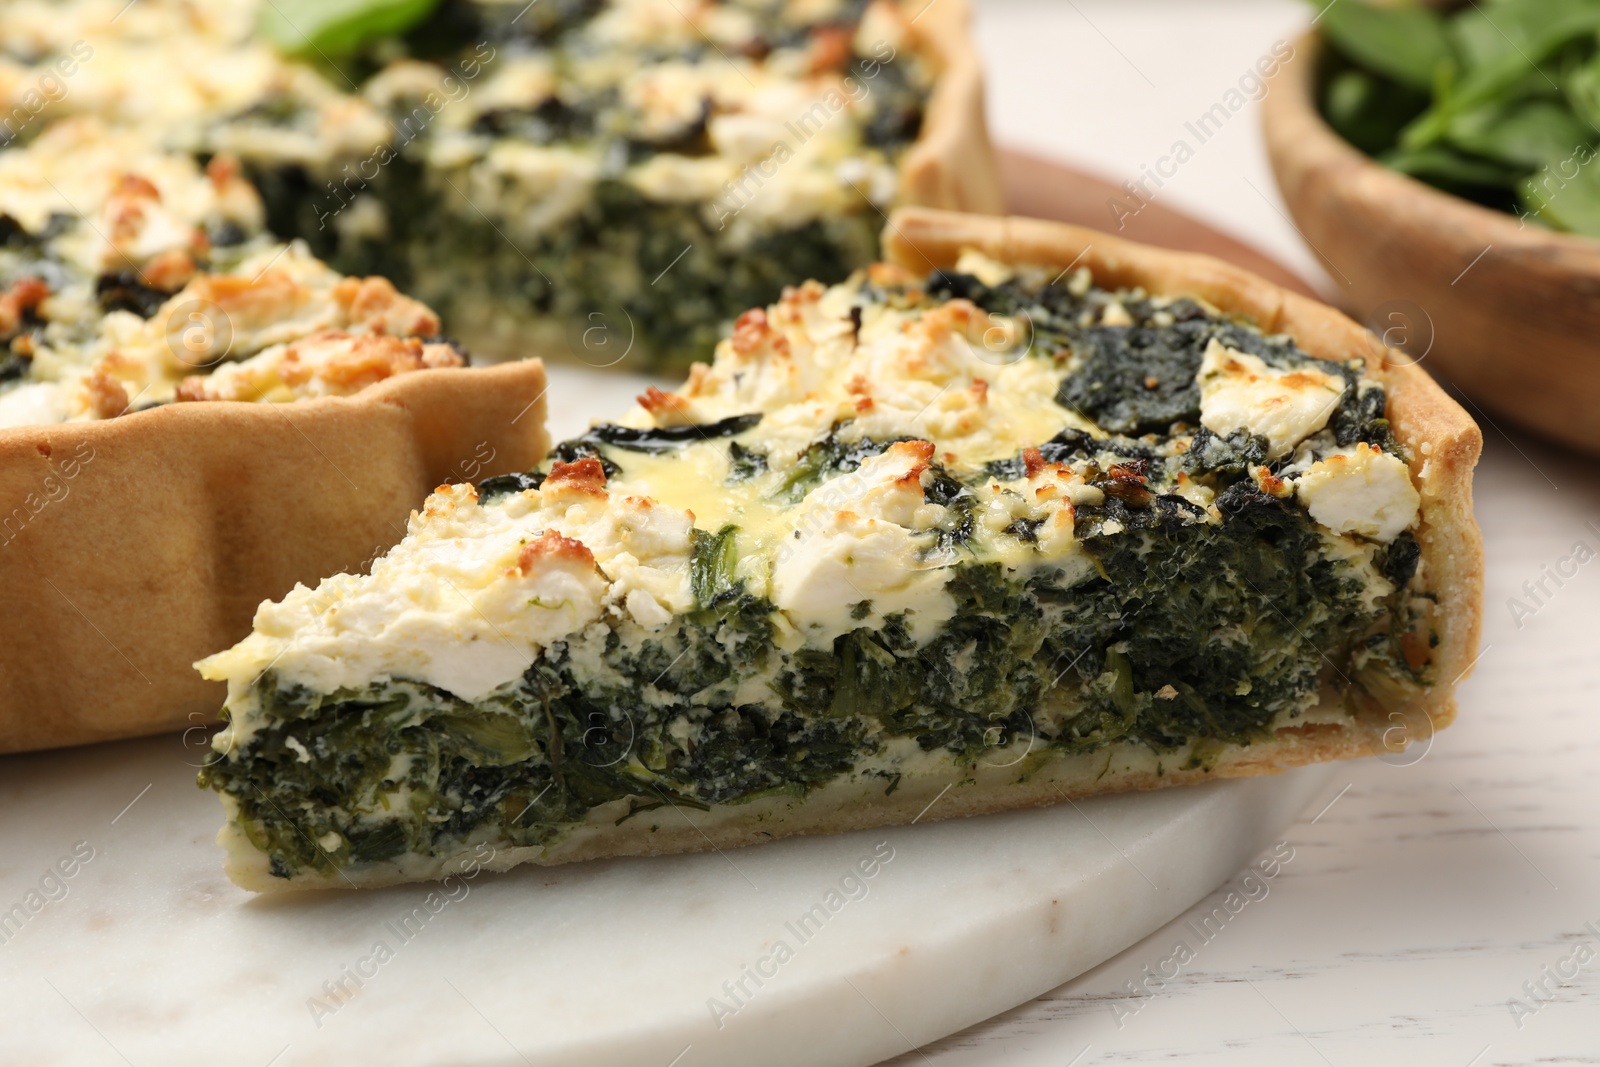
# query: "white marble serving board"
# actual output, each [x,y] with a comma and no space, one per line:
[149,956]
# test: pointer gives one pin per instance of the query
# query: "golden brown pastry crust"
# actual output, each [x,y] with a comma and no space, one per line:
[951,165]
[134,546]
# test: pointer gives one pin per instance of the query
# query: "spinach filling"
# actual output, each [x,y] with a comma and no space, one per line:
[669,269]
[1188,630]
[668,275]
[1183,634]
[1139,379]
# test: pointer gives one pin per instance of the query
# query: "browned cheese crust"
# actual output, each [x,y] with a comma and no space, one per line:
[132,547]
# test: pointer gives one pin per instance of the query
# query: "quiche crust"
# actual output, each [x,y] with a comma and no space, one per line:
[952,166]
[133,546]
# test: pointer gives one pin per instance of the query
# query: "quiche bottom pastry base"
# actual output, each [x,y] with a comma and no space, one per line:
[137,544]
[1025,513]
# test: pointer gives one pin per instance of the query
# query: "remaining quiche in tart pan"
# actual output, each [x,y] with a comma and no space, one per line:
[143,520]
[1025,513]
[575,178]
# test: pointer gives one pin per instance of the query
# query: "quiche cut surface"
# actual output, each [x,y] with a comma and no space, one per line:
[651,165]
[1028,514]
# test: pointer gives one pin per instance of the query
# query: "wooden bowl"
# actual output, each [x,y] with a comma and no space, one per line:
[1508,311]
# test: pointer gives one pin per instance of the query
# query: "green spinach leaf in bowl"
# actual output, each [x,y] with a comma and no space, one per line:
[1496,101]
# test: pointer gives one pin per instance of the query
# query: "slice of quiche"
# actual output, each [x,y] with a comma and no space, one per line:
[1028,513]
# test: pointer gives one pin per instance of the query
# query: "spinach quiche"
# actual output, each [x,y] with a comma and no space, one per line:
[131,277]
[576,177]
[1024,513]
[133,282]
[595,178]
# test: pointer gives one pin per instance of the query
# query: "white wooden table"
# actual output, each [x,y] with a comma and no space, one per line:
[1442,912]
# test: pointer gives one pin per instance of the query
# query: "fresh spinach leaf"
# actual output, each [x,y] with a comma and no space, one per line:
[1581,86]
[1498,102]
[1500,77]
[1562,202]
[1441,164]
[1368,110]
[1406,42]
[336,27]
[1525,134]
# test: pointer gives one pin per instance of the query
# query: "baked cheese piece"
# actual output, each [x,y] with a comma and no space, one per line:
[575,179]
[997,528]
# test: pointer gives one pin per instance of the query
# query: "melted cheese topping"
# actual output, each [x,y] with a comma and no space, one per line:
[181,74]
[783,135]
[97,206]
[952,374]
[129,201]
[100,57]
[472,593]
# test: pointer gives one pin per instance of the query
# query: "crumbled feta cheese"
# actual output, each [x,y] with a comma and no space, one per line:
[463,603]
[1115,315]
[988,271]
[32,402]
[1239,391]
[1361,491]
[845,560]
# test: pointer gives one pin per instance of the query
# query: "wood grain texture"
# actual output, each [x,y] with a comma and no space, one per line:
[1514,308]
